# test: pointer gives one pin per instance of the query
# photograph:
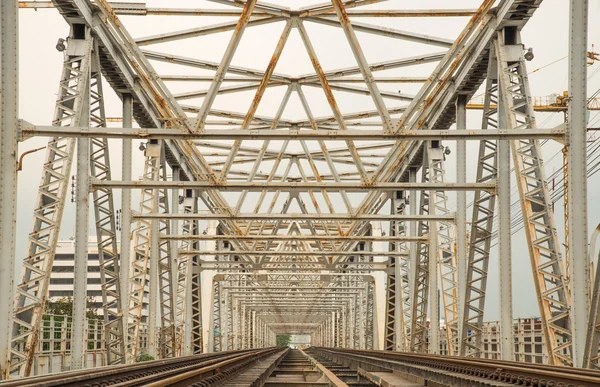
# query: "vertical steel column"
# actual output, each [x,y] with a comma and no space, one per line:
[332,327]
[231,329]
[226,320]
[179,267]
[211,319]
[195,297]
[591,357]
[153,287]
[397,283]
[413,201]
[504,237]
[446,245]
[9,99]
[105,224]
[482,224]
[577,192]
[253,342]
[216,318]
[371,329]
[138,278]
[125,247]
[192,229]
[434,301]
[37,264]
[82,216]
[461,212]
[540,229]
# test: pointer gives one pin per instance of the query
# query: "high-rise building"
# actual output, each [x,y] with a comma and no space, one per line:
[61,279]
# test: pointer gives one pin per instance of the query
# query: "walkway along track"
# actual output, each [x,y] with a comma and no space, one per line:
[213,369]
[462,371]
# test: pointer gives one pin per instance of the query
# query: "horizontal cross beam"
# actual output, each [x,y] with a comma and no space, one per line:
[30,130]
[293,186]
[327,238]
[298,253]
[294,216]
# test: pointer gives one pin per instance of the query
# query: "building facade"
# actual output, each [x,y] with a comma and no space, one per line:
[62,276]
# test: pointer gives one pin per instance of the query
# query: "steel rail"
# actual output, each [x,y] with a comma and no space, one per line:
[142,374]
[484,371]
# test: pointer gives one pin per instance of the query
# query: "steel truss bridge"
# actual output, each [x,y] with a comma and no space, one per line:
[330,218]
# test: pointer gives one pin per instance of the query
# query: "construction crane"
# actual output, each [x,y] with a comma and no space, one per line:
[548,104]
[553,102]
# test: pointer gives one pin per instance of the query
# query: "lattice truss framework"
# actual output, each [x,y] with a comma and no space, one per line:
[299,258]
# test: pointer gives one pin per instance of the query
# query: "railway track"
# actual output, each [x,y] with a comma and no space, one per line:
[280,367]
[458,371]
[213,369]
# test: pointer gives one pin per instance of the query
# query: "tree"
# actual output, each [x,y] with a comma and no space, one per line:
[61,308]
[283,340]
[143,357]
[64,307]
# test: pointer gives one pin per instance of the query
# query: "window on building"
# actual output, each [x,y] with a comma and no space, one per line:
[61,281]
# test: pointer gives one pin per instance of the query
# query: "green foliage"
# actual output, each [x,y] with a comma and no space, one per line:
[143,357]
[283,340]
[64,307]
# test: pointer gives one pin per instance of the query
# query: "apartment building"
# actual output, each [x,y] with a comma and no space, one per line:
[61,279]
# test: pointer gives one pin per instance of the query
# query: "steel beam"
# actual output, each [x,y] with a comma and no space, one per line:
[125,246]
[299,253]
[35,276]
[504,240]
[288,238]
[413,258]
[481,225]
[9,98]
[346,25]
[461,212]
[140,9]
[224,65]
[294,186]
[82,210]
[536,206]
[106,226]
[28,130]
[577,190]
[300,217]
[153,279]
[434,262]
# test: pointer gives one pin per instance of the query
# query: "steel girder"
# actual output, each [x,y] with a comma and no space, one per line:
[217,318]
[9,102]
[166,284]
[196,326]
[592,358]
[104,210]
[540,228]
[141,254]
[30,130]
[420,290]
[447,256]
[32,290]
[398,283]
[481,226]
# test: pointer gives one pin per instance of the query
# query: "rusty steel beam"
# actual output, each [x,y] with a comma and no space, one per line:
[294,186]
[300,217]
[29,130]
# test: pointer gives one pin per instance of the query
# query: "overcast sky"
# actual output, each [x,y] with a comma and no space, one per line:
[547,33]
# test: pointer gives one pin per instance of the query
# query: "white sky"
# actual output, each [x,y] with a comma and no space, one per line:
[547,33]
